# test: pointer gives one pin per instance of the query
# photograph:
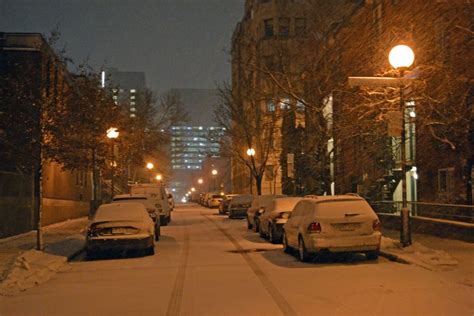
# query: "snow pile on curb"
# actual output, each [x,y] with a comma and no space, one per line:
[419,255]
[29,269]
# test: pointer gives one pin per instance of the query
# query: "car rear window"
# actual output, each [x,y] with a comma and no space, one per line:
[217,196]
[115,212]
[342,208]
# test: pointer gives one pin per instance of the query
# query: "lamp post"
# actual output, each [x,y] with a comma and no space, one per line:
[251,154]
[112,134]
[159,177]
[149,166]
[214,174]
[401,57]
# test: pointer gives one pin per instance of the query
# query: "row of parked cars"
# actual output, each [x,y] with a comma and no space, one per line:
[130,222]
[310,225]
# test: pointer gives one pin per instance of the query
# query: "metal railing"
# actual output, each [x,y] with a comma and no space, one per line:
[454,212]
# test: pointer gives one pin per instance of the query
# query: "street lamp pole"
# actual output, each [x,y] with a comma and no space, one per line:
[251,154]
[112,134]
[402,57]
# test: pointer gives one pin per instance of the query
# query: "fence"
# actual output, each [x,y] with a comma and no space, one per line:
[454,212]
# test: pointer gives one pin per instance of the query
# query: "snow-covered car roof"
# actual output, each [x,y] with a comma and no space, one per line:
[242,199]
[284,204]
[120,212]
[131,197]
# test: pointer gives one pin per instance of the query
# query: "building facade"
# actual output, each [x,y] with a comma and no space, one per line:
[33,81]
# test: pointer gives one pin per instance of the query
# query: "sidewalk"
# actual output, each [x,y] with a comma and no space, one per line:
[22,267]
[452,258]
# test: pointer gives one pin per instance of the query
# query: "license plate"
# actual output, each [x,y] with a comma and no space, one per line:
[348,226]
[119,231]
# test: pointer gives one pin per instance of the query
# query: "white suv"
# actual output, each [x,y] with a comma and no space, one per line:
[158,193]
[344,223]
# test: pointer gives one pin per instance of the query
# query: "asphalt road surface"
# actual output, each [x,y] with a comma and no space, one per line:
[207,264]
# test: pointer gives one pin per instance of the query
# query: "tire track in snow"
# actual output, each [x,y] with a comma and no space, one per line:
[277,297]
[174,305]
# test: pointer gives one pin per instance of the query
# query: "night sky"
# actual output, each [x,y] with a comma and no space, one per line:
[177,43]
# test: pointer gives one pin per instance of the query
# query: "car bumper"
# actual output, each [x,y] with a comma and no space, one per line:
[238,212]
[110,243]
[344,244]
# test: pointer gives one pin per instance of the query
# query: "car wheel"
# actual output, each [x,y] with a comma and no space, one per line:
[157,232]
[261,232]
[256,225]
[150,251]
[231,215]
[286,247]
[249,226]
[372,255]
[303,255]
[168,219]
[271,234]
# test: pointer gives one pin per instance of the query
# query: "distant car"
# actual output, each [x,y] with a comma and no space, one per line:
[275,215]
[158,193]
[224,205]
[147,201]
[119,227]
[257,207]
[344,223]
[239,205]
[214,200]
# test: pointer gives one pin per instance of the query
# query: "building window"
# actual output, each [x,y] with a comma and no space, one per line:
[114,97]
[133,90]
[446,182]
[377,12]
[300,106]
[132,103]
[284,27]
[300,26]
[268,27]
[132,97]
[271,106]
[284,104]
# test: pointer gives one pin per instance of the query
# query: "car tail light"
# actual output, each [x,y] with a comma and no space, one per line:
[314,227]
[376,225]
[93,231]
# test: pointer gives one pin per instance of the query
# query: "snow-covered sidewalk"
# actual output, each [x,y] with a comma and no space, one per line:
[21,266]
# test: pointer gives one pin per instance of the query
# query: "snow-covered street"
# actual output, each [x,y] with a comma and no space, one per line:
[206,264]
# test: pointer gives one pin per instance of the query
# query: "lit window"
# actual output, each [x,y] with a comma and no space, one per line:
[132,115]
[133,90]
[114,90]
[132,103]
[115,97]
[132,97]
[299,106]
[133,109]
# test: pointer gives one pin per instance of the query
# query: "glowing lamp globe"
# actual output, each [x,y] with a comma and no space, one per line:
[401,56]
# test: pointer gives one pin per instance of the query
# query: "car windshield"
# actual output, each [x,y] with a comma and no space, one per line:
[341,208]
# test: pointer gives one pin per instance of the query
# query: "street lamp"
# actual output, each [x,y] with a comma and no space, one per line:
[200,181]
[112,134]
[402,57]
[149,165]
[159,177]
[250,152]
[193,189]
[214,174]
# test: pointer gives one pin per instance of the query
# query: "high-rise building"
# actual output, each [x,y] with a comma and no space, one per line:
[194,140]
[125,86]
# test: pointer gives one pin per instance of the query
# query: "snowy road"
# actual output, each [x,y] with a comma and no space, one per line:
[206,264]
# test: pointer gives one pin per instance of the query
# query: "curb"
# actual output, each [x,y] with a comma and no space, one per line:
[393,257]
[75,254]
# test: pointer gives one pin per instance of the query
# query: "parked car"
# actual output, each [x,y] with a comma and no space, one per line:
[147,201]
[224,205]
[119,227]
[170,200]
[344,223]
[214,200]
[276,213]
[158,193]
[239,205]
[257,207]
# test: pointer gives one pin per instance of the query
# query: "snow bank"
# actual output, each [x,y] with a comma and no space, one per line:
[419,254]
[29,269]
